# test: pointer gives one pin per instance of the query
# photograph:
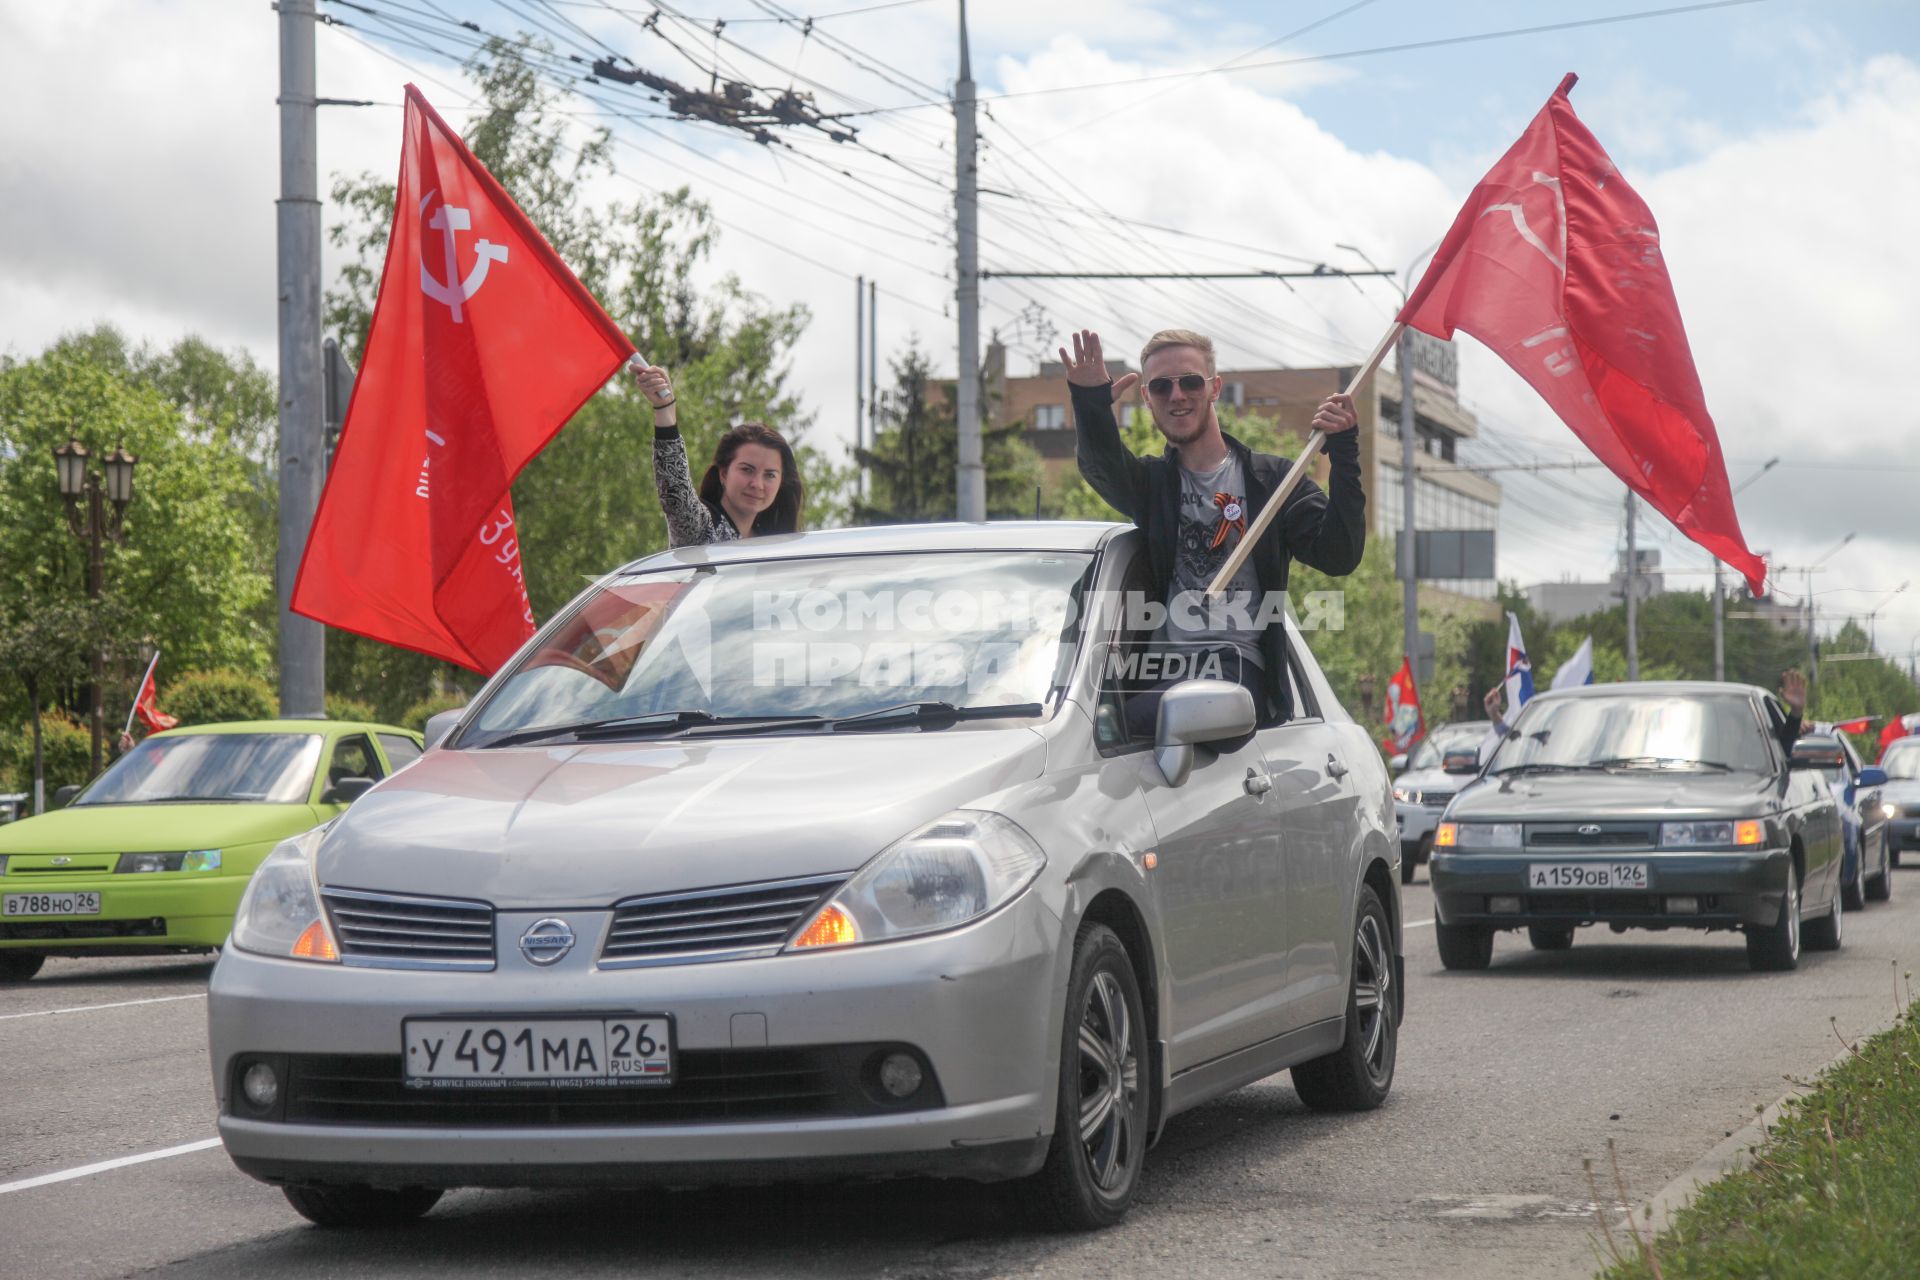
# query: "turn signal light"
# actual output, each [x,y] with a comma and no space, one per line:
[831,928]
[1446,836]
[1748,832]
[315,943]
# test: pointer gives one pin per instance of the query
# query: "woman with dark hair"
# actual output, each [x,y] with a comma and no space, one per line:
[753,486]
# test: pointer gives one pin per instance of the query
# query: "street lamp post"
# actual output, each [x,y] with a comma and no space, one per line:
[1875,612]
[95,525]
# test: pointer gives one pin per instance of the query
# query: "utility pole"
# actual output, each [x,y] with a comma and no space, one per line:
[302,442]
[859,374]
[1720,592]
[971,498]
[873,362]
[1633,597]
[1409,478]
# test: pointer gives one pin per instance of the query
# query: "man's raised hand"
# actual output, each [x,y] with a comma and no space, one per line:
[1087,366]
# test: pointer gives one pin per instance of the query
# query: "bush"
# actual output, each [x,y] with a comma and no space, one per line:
[66,747]
[341,707]
[213,697]
[418,714]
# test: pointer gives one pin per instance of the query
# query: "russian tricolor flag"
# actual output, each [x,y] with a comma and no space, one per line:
[1519,669]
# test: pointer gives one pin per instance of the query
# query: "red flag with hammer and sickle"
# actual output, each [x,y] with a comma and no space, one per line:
[483,345]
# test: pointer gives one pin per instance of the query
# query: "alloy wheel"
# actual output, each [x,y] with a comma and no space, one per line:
[1792,909]
[1373,996]
[1109,1083]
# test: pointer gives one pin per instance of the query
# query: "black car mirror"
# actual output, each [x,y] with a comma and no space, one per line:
[1801,762]
[1460,762]
[63,796]
[347,790]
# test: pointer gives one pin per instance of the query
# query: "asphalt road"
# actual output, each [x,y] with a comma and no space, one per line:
[1664,1043]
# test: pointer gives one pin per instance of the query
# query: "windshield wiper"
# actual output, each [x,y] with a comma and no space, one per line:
[654,722]
[921,712]
[1659,762]
[1541,766]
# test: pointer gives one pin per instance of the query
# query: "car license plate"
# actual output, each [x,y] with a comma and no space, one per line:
[1587,875]
[51,904]
[580,1053]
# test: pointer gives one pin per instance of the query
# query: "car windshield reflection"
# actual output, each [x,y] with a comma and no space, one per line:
[1716,732]
[199,768]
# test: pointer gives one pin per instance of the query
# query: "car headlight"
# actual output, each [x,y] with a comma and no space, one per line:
[192,860]
[1713,835]
[280,912]
[1477,835]
[1886,811]
[957,868]
[1406,795]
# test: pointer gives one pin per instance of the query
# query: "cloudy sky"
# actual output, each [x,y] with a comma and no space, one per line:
[1777,141]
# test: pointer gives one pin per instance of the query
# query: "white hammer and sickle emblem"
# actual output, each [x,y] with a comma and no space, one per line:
[450,221]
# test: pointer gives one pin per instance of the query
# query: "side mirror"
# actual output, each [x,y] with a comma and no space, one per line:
[1461,762]
[1397,762]
[1801,762]
[439,726]
[63,796]
[346,791]
[1872,776]
[1195,712]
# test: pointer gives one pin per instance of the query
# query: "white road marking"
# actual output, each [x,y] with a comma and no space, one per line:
[87,1008]
[44,1179]
[1417,923]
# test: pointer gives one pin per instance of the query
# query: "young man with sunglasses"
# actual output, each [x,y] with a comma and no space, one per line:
[1195,502]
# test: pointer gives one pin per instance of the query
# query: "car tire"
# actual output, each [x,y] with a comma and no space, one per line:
[19,968]
[1550,937]
[1880,887]
[1464,946]
[1358,1075]
[1853,894]
[1825,933]
[1408,861]
[1776,947]
[1093,1164]
[326,1206]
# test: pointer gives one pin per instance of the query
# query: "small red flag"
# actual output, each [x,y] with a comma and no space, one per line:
[1854,726]
[146,705]
[483,345]
[1405,723]
[1897,728]
[1555,264]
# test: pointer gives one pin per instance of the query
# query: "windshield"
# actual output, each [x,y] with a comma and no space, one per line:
[1902,759]
[1637,730]
[268,768]
[1454,737]
[796,639]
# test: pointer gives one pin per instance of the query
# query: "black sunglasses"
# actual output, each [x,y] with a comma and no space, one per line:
[1191,383]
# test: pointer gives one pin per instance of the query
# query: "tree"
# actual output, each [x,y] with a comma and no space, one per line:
[586,504]
[913,465]
[45,651]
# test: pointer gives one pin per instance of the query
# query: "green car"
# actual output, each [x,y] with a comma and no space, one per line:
[151,858]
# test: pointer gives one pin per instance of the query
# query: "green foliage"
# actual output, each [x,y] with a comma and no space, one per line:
[339,708]
[216,697]
[66,747]
[586,504]
[1829,1194]
[416,716]
[913,466]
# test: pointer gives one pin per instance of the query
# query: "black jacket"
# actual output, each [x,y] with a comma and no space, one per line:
[1328,533]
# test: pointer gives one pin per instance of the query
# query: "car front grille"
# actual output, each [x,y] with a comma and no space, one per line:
[1611,835]
[397,931]
[708,1085]
[731,923]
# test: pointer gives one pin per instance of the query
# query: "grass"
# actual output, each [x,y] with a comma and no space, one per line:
[1832,1192]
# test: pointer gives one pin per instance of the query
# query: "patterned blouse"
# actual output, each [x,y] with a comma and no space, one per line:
[691,522]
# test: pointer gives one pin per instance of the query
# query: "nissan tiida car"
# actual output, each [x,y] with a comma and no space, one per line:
[817,856]
[1657,805]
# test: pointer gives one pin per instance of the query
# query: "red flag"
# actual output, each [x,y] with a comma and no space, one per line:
[482,346]
[1854,726]
[1405,723]
[1897,728]
[1555,264]
[145,702]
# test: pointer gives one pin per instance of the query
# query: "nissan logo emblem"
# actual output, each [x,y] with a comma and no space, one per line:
[1590,829]
[546,941]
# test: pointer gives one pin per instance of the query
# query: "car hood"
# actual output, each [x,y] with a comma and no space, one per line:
[1899,790]
[1624,794]
[585,825]
[121,828]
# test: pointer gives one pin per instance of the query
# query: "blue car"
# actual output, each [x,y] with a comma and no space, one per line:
[1866,870]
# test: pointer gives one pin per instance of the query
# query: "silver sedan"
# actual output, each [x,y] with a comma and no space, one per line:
[818,856]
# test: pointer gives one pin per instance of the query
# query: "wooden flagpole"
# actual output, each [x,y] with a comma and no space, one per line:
[1300,464]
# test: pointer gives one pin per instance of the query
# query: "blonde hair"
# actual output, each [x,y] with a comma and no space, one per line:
[1178,338]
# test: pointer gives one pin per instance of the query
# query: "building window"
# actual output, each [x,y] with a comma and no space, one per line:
[1234,393]
[1049,417]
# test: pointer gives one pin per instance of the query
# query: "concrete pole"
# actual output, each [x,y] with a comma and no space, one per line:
[873,363]
[1719,624]
[1409,481]
[971,473]
[302,444]
[859,358]
[1633,596]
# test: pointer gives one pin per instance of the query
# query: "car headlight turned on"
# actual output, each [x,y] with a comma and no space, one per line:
[1886,811]
[957,868]
[1477,835]
[280,913]
[1744,833]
